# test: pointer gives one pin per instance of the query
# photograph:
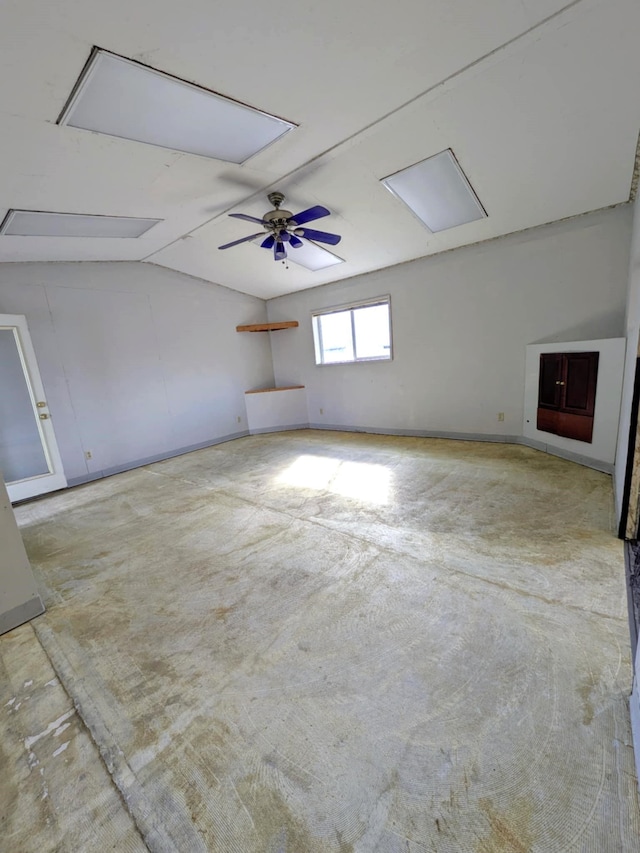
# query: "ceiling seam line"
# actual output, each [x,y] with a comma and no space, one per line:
[453,76]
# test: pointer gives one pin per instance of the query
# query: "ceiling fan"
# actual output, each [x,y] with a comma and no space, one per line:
[285,227]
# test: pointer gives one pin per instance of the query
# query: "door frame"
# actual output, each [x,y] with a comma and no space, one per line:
[55,478]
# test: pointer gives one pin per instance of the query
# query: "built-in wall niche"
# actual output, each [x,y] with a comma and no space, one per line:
[567,394]
[600,453]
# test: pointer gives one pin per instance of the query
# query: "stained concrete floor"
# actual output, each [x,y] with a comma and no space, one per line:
[325,642]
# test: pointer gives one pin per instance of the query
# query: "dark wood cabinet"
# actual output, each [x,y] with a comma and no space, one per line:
[567,394]
[549,386]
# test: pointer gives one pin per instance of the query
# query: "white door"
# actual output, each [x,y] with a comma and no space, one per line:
[29,457]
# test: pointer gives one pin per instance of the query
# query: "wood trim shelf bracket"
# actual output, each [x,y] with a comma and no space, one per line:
[268,327]
[269,390]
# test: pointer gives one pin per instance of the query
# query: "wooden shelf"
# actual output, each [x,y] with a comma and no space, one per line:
[269,390]
[268,327]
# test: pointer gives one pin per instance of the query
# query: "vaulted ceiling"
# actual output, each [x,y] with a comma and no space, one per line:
[539,100]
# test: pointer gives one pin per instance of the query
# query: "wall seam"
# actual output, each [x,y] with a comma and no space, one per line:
[66,382]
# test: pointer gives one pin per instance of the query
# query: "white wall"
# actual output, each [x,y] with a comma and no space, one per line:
[634,706]
[602,448]
[632,329]
[461,321]
[19,597]
[137,361]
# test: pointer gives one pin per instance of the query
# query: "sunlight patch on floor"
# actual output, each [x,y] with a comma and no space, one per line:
[363,481]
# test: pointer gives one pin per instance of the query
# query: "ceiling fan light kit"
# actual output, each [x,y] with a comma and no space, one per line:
[284,227]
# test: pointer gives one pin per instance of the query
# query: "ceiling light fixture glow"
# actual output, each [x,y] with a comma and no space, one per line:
[122,98]
[311,256]
[37,223]
[437,191]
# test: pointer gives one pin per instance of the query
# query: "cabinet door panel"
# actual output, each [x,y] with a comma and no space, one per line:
[550,371]
[581,371]
[547,420]
[578,427]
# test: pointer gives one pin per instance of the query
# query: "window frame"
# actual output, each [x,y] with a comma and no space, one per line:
[343,309]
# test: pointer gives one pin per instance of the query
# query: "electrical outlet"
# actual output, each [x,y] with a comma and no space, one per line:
[322,411]
[500,416]
[88,454]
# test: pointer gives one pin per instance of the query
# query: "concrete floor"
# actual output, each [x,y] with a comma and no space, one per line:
[315,642]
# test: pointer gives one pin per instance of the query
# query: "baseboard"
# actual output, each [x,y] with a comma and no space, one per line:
[587,461]
[86,478]
[263,430]
[421,433]
[21,614]
[149,460]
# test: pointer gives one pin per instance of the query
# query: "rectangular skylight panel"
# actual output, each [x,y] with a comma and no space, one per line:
[438,192]
[313,257]
[33,223]
[122,98]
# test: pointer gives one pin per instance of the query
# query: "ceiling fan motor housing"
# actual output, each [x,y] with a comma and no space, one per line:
[277,220]
[277,217]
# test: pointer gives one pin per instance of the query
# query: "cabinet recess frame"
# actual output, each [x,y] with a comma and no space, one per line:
[567,394]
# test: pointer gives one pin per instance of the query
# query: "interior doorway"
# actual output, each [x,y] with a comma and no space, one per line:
[29,457]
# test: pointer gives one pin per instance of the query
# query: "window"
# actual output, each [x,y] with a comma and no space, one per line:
[360,332]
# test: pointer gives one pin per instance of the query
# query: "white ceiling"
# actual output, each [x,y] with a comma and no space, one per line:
[537,98]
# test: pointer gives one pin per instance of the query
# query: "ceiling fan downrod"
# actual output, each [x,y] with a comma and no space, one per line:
[276,199]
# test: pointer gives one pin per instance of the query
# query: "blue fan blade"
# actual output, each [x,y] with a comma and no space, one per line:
[246,218]
[242,240]
[295,242]
[268,243]
[321,236]
[279,251]
[285,236]
[310,214]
